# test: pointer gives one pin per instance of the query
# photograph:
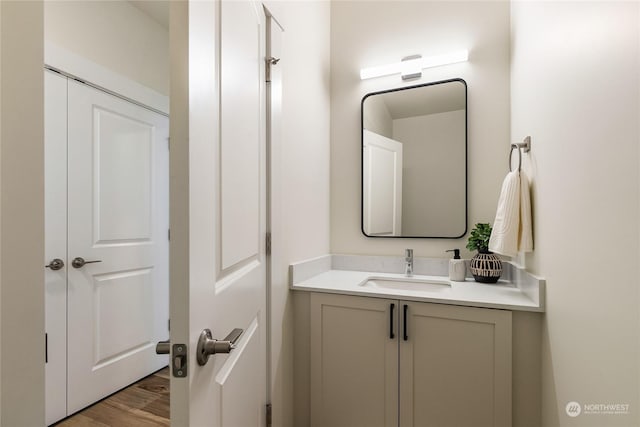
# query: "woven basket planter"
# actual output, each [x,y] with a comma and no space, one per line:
[486,267]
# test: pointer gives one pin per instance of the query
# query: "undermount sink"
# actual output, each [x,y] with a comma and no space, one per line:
[407,284]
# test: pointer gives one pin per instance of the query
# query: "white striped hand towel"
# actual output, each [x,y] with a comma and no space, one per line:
[504,236]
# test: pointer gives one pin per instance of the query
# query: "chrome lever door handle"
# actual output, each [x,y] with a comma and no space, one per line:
[55,264]
[207,345]
[79,262]
[163,347]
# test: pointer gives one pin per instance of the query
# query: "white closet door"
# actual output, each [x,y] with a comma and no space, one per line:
[118,223]
[55,286]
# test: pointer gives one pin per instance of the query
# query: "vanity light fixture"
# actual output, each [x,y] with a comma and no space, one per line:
[411,66]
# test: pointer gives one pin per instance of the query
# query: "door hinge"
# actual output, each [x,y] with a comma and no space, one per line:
[270,61]
[269,415]
[169,234]
[169,325]
[268,243]
[46,348]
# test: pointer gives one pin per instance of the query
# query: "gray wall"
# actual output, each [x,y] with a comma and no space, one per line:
[433,173]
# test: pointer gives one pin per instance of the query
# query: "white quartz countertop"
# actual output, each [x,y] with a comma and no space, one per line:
[502,295]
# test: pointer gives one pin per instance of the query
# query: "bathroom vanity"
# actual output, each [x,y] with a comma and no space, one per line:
[377,348]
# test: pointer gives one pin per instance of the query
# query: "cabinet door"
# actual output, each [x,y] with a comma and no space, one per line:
[354,361]
[455,366]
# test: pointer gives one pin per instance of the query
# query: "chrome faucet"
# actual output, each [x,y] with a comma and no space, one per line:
[408,262]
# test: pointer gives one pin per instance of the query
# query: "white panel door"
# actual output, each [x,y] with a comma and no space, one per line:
[218,209]
[382,185]
[55,280]
[118,223]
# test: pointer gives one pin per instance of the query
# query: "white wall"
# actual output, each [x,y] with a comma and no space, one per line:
[113,34]
[433,185]
[22,203]
[575,90]
[301,176]
[373,33]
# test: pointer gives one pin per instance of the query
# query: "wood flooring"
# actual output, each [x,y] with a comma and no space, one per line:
[143,404]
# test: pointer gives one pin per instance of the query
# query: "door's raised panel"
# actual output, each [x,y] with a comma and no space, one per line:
[123,158]
[240,133]
[241,368]
[381,203]
[123,314]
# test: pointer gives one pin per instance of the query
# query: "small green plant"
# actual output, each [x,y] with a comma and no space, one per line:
[479,238]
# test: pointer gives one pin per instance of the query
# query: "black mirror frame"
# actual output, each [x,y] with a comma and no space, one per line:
[466,159]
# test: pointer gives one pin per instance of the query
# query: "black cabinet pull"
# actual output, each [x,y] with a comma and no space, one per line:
[391,308]
[405,336]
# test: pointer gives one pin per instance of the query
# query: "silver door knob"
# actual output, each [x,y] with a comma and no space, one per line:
[55,264]
[79,262]
[207,345]
[163,347]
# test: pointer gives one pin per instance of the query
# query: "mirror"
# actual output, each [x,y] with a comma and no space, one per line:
[414,161]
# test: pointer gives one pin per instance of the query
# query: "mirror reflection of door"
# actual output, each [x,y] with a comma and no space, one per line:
[429,122]
[382,184]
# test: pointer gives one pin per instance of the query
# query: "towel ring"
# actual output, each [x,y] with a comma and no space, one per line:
[514,147]
[524,145]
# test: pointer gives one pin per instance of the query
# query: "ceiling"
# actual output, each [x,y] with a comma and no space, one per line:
[425,100]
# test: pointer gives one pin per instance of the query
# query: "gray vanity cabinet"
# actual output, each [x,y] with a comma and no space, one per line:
[443,366]
[354,364]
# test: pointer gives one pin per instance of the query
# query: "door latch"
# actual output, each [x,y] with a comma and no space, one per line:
[178,357]
[179,361]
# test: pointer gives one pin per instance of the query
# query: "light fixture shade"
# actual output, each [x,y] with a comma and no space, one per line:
[381,70]
[412,65]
